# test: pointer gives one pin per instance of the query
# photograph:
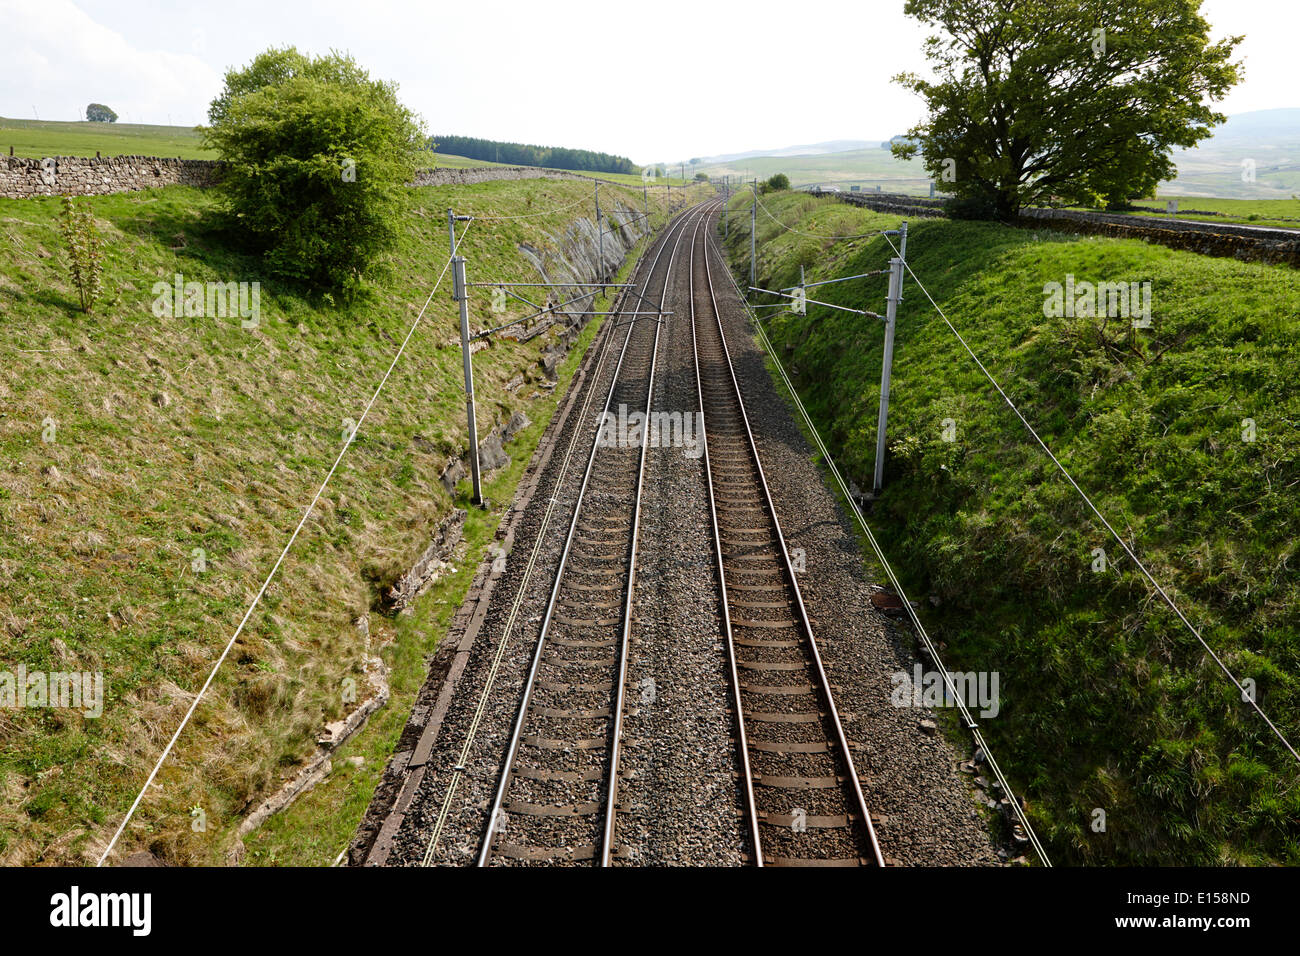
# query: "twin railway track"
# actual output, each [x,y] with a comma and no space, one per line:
[556,798]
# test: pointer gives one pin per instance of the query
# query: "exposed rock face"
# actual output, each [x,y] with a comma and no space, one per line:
[491,453]
[518,422]
[431,563]
[454,472]
[579,255]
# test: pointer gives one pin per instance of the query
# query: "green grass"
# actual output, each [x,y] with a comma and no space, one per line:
[184,433]
[1107,701]
[320,824]
[1258,212]
[865,167]
[40,138]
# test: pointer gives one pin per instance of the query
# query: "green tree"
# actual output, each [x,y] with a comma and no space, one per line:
[317,160]
[1048,101]
[776,183]
[99,113]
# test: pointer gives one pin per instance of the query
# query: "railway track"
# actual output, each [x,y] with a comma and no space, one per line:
[801,788]
[555,800]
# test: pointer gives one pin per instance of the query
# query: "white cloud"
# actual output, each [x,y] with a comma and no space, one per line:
[653,81]
[65,59]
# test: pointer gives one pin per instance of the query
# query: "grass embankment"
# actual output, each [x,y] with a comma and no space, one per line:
[1107,701]
[176,434]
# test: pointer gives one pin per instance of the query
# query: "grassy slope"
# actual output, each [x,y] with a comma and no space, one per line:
[176,434]
[1107,701]
[322,822]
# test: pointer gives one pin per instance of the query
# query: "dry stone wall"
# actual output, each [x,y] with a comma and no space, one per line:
[21,177]
[1226,240]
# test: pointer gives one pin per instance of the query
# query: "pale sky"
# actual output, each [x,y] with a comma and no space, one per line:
[648,80]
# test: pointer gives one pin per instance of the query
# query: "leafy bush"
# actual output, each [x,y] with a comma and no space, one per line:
[317,161]
[85,251]
[776,183]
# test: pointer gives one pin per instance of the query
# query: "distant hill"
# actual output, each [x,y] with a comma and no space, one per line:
[807,149]
[1268,138]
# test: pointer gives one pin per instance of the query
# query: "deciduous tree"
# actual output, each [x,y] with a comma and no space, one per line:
[1063,101]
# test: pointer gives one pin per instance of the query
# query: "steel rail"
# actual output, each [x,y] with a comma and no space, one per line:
[824,687]
[607,338]
[626,638]
[746,771]
[494,810]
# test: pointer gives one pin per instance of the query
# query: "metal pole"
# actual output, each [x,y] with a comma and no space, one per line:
[600,233]
[726,203]
[887,362]
[753,228]
[461,294]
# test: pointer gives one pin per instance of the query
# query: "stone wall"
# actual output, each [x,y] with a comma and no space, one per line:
[1228,240]
[21,177]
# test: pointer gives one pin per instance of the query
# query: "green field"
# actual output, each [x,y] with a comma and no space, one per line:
[1270,139]
[40,138]
[176,434]
[1184,434]
[867,168]
[1284,213]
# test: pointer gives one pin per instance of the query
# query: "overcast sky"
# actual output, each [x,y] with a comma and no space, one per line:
[653,81]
